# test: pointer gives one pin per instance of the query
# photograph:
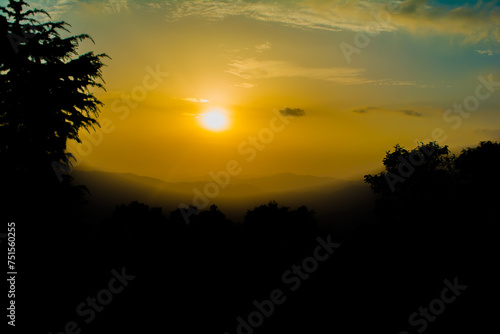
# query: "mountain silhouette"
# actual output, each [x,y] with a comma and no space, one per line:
[335,201]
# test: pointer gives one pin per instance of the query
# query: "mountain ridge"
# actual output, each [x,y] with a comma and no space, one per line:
[328,197]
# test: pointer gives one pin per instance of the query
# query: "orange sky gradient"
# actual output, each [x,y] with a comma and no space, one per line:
[267,64]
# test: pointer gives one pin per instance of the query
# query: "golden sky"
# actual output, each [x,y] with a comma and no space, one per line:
[307,86]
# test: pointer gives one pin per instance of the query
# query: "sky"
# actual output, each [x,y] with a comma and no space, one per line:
[310,87]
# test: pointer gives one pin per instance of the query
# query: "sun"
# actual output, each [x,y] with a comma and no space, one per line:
[215,120]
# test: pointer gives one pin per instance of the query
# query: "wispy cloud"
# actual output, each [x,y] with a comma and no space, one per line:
[191,115]
[57,8]
[299,14]
[474,22]
[246,85]
[54,8]
[389,82]
[251,68]
[485,52]
[407,112]
[263,47]
[115,6]
[190,99]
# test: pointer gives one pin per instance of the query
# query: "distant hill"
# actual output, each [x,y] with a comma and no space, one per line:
[335,201]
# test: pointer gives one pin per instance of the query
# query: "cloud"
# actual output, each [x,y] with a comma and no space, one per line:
[54,8]
[485,52]
[475,22]
[251,68]
[190,115]
[263,47]
[190,99]
[407,112]
[289,112]
[115,6]
[246,85]
[57,9]
[410,112]
[304,14]
[387,82]
[364,110]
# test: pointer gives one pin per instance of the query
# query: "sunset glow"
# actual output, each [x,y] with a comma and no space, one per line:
[250,166]
[353,78]
[215,120]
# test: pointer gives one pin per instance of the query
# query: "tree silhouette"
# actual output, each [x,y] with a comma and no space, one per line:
[413,178]
[477,169]
[279,227]
[271,217]
[479,165]
[438,216]
[429,175]
[46,96]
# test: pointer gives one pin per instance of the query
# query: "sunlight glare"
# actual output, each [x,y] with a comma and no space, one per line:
[215,120]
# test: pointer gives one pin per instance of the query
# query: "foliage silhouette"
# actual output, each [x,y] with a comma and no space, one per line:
[274,225]
[439,218]
[420,176]
[433,175]
[46,98]
[479,165]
